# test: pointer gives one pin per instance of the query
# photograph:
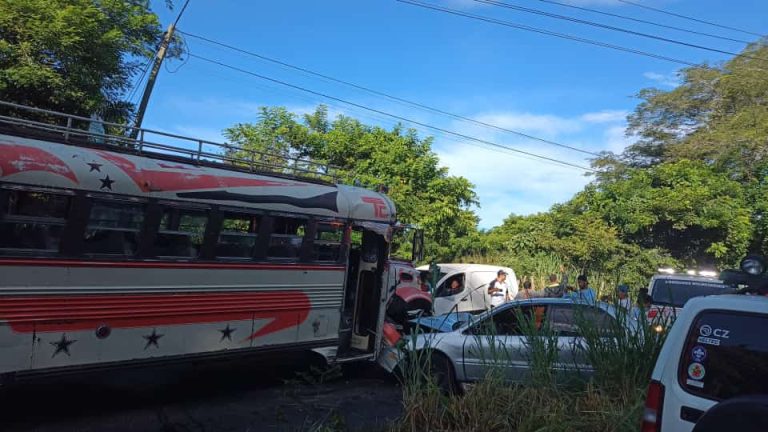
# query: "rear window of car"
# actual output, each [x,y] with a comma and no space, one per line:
[725,355]
[676,292]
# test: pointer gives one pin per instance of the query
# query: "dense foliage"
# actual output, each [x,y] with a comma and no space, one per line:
[425,194]
[75,56]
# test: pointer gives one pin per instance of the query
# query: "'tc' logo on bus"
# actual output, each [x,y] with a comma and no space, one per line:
[379,206]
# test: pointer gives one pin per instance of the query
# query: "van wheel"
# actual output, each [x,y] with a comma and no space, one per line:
[443,375]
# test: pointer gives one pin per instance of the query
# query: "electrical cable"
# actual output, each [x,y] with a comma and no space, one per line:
[548,32]
[691,18]
[629,18]
[395,116]
[613,28]
[389,96]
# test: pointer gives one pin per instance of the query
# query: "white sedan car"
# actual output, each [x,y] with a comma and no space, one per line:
[462,348]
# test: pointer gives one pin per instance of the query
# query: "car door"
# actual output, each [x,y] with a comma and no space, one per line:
[447,301]
[478,289]
[565,321]
[496,343]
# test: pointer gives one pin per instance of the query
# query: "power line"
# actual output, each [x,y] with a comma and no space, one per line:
[549,33]
[613,28]
[395,116]
[690,18]
[389,96]
[140,80]
[629,18]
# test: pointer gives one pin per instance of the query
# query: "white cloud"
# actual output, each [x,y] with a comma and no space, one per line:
[666,80]
[616,140]
[511,184]
[549,125]
[605,116]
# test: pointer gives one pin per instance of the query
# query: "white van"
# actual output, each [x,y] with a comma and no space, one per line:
[474,280]
[715,355]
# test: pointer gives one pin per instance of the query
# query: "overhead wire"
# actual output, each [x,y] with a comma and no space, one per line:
[642,21]
[613,28]
[390,96]
[548,32]
[395,116]
[698,20]
[138,82]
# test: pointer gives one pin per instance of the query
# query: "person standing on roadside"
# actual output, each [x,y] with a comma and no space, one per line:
[555,288]
[526,293]
[585,293]
[622,291]
[498,289]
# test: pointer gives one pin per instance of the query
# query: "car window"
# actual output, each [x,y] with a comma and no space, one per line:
[565,320]
[676,292]
[725,355]
[447,288]
[512,321]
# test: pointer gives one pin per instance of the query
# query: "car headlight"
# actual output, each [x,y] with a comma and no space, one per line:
[753,264]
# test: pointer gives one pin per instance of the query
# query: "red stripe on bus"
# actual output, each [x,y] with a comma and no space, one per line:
[27,314]
[166,265]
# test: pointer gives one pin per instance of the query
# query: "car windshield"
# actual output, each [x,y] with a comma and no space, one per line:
[725,355]
[676,292]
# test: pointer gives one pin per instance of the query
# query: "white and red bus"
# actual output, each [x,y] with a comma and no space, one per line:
[117,251]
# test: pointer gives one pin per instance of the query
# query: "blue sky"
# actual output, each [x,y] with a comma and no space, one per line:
[556,89]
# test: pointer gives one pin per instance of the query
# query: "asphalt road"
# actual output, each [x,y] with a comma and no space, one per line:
[237,396]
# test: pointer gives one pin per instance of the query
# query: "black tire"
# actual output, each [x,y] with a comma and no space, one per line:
[742,414]
[443,375]
[420,305]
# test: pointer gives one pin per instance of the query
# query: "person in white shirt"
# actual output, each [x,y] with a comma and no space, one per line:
[498,289]
[623,293]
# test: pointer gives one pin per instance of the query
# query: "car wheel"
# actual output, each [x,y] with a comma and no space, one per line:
[442,373]
[742,414]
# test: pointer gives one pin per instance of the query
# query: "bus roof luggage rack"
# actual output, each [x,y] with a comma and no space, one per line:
[29,122]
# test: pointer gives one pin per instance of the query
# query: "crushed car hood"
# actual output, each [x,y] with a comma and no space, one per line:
[443,323]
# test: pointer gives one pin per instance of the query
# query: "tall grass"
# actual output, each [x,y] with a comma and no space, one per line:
[610,399]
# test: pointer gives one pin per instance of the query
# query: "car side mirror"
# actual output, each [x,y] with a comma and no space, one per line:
[457,325]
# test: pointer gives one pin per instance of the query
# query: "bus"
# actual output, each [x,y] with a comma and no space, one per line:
[118,251]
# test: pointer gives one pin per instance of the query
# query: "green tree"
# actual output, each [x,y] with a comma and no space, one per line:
[75,56]
[424,192]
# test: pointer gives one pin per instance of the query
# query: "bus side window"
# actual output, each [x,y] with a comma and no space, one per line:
[32,221]
[113,228]
[327,244]
[286,238]
[181,233]
[238,235]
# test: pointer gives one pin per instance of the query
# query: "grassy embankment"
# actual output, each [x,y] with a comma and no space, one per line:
[610,400]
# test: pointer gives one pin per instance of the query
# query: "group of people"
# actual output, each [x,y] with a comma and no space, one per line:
[498,289]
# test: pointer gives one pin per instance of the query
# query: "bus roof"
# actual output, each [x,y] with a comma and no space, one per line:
[111,169]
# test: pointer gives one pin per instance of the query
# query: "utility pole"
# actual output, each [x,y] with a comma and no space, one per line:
[159,57]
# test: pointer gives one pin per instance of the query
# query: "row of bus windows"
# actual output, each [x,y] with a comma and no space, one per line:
[36,221]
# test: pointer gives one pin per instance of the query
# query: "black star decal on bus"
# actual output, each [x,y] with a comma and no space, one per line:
[152,339]
[106,183]
[62,346]
[226,333]
[95,167]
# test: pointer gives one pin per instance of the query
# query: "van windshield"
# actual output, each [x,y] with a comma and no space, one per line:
[676,292]
[725,355]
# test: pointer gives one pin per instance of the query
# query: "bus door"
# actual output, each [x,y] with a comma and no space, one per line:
[364,296]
